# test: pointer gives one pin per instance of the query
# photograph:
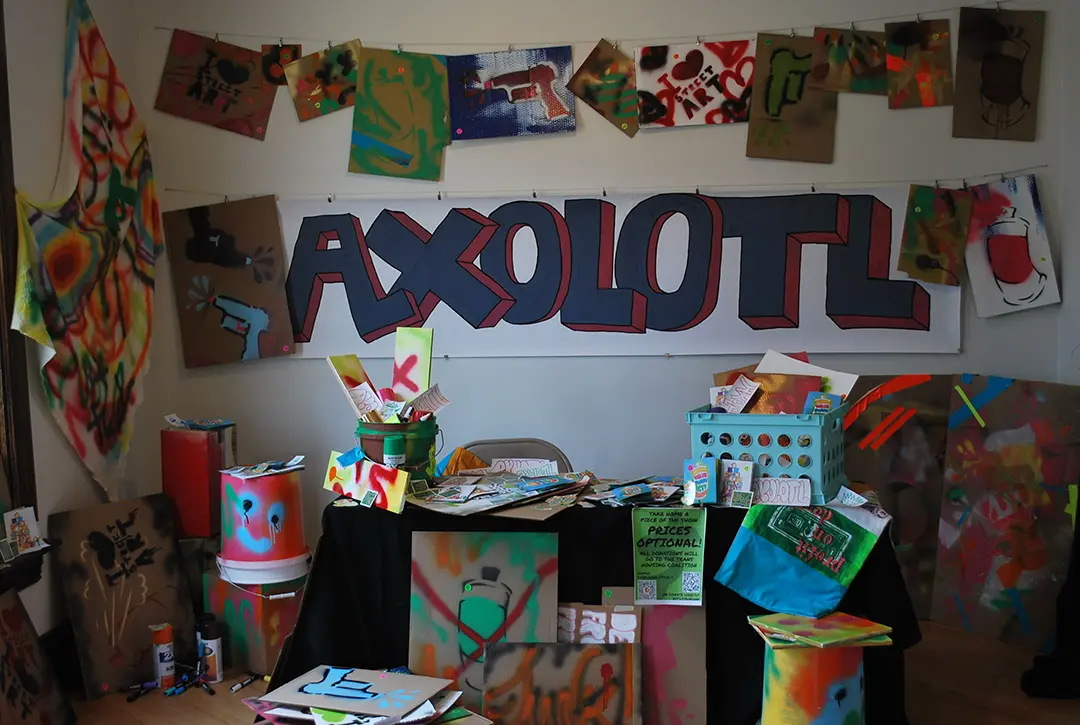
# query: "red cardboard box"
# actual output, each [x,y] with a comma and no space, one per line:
[255,627]
[190,465]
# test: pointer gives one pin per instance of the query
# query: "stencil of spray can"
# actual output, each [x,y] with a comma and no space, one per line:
[483,608]
[210,649]
[164,665]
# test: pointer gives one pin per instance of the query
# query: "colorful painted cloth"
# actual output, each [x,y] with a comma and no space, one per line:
[85,280]
[801,560]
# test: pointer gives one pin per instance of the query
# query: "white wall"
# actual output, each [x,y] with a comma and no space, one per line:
[35,50]
[616,415]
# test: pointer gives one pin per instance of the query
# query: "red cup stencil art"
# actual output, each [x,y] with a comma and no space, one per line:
[1008,251]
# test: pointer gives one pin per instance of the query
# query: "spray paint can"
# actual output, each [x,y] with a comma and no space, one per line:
[483,608]
[198,631]
[393,451]
[210,650]
[164,664]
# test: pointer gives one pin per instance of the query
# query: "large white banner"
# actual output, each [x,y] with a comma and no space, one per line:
[622,275]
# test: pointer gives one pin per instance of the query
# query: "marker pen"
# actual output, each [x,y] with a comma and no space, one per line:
[241,685]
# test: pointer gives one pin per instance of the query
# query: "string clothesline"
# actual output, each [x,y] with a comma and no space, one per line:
[654,40]
[440,194]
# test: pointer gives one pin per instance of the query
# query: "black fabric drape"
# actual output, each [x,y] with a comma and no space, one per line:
[356,606]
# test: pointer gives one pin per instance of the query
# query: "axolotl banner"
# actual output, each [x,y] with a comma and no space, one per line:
[671,273]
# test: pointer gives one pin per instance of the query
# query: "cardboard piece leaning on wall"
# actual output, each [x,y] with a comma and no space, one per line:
[121,572]
[1005,538]
[31,691]
[228,273]
[789,120]
[673,641]
[600,623]
[560,677]
[216,83]
[512,573]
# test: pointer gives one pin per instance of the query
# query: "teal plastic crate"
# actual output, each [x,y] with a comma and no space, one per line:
[782,446]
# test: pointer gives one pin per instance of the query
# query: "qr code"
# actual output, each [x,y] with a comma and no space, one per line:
[691,582]
[646,590]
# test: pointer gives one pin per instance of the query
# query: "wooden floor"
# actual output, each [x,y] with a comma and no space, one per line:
[953,679]
[194,707]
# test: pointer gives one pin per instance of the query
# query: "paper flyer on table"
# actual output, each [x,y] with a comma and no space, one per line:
[669,555]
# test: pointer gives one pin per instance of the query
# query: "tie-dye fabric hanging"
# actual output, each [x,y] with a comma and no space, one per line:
[85,282]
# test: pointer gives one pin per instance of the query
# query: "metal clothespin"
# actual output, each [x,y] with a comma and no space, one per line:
[445,357]
[667,355]
[615,45]
[964,182]
[997,6]
[534,193]
[226,198]
[439,195]
[217,37]
[698,39]
[813,188]
[853,26]
[1003,179]
[329,44]
[918,18]
[510,47]
[793,32]
[604,191]
[399,48]
[280,42]
[937,183]
[329,198]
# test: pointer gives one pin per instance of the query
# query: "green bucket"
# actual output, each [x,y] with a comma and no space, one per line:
[419,444]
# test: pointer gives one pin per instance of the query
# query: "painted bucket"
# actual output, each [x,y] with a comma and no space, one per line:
[805,685]
[262,529]
[419,444]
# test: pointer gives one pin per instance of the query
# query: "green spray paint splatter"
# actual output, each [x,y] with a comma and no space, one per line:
[421,616]
[232,502]
[526,552]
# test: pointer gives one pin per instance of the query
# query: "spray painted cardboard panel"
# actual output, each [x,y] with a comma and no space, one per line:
[228,272]
[542,683]
[121,572]
[29,692]
[1012,461]
[474,588]
[255,628]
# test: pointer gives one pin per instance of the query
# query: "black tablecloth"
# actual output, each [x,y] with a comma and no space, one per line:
[355,611]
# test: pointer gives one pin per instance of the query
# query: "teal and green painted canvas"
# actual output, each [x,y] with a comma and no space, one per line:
[401,116]
[470,589]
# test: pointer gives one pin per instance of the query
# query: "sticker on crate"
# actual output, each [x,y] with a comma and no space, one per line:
[699,475]
[783,491]
[738,477]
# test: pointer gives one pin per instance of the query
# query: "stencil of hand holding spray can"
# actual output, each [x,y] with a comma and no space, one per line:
[483,608]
